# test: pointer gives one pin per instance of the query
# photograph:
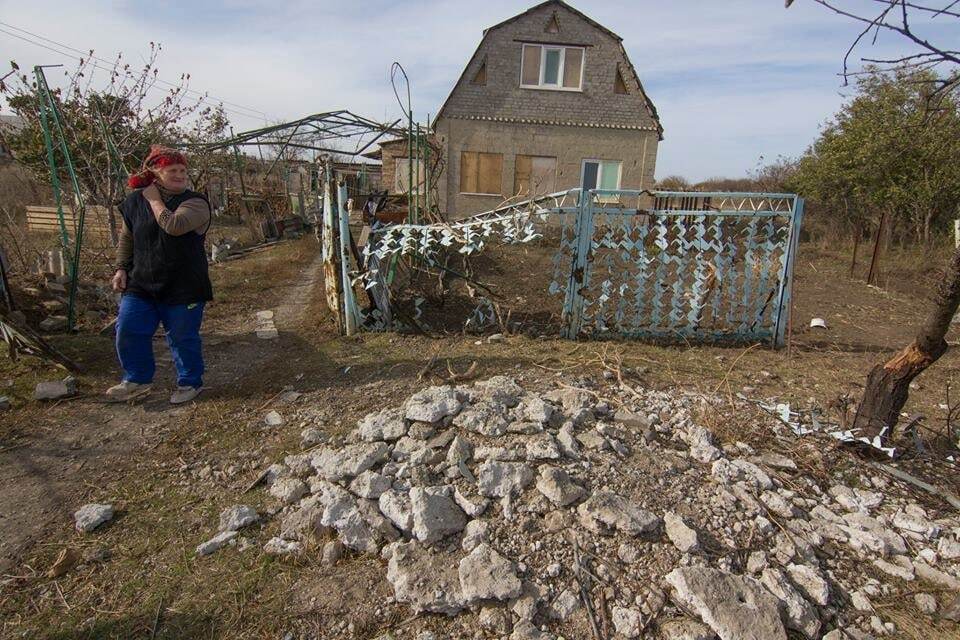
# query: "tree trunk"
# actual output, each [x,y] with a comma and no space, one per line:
[888,384]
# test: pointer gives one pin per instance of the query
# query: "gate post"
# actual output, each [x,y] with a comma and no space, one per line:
[573,301]
[786,278]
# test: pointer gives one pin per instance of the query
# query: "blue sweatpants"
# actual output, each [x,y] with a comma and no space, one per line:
[138,320]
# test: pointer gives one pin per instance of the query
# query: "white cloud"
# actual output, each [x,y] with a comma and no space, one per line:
[732,80]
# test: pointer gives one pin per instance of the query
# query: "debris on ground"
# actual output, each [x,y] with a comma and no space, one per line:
[90,516]
[560,511]
[56,389]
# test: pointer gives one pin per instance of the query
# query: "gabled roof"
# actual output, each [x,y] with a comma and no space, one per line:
[563,4]
[583,16]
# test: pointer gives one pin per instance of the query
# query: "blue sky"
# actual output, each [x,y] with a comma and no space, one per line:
[733,80]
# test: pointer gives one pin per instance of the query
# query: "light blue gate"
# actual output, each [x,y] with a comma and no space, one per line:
[665,265]
[678,265]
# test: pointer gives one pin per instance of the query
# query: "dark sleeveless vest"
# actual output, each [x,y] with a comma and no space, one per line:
[166,269]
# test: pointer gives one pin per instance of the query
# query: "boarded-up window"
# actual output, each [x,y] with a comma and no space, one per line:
[619,85]
[480,77]
[401,176]
[549,67]
[481,172]
[531,65]
[535,175]
[572,66]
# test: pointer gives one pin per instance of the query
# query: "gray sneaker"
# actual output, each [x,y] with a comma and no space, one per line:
[185,394]
[126,390]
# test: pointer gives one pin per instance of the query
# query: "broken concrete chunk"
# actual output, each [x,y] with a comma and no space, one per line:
[487,575]
[501,390]
[56,390]
[461,450]
[369,484]
[686,629]
[288,490]
[567,440]
[281,547]
[426,580]
[273,419]
[473,507]
[386,424]
[557,485]
[237,517]
[498,479]
[483,418]
[735,607]
[564,605]
[350,461]
[90,516]
[606,512]
[536,410]
[474,533]
[216,542]
[627,622]
[810,583]
[396,506]
[542,447]
[304,523]
[683,537]
[799,615]
[435,514]
[432,404]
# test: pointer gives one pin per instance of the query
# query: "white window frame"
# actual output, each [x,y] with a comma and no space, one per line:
[543,66]
[599,162]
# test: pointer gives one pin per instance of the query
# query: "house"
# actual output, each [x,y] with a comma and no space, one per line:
[549,101]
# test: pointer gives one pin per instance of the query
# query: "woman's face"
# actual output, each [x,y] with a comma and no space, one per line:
[172,177]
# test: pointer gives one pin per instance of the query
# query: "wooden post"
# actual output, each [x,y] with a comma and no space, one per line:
[874,272]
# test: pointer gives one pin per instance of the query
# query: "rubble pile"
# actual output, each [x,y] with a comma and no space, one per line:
[525,514]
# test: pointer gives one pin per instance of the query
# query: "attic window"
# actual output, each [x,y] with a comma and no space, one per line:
[553,25]
[551,67]
[619,84]
[480,77]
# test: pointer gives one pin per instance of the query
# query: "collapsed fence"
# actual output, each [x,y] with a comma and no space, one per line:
[659,265]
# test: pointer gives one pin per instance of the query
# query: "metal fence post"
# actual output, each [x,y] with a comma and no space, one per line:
[786,278]
[573,301]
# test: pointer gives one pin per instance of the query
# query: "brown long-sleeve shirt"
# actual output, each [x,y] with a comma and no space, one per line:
[192,215]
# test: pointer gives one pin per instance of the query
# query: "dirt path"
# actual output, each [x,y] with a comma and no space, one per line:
[77,446]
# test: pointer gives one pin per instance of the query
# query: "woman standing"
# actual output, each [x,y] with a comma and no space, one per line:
[162,273]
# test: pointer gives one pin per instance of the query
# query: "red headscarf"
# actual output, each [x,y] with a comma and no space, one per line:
[159,156]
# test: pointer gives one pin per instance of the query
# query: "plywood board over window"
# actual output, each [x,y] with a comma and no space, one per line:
[535,175]
[481,173]
[402,176]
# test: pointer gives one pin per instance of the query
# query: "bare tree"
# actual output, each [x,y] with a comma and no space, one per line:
[888,384]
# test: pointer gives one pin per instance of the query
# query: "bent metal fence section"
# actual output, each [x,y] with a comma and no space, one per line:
[663,265]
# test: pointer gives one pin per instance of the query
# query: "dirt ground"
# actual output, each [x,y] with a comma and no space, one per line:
[169,471]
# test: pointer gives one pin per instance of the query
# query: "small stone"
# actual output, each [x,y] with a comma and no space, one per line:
[756,562]
[281,547]
[350,461]
[628,553]
[288,490]
[461,450]
[564,605]
[686,629]
[395,505]
[487,575]
[53,324]
[90,516]
[237,517]
[216,542]
[311,437]
[473,507]
[496,619]
[627,622]
[948,549]
[56,390]
[800,615]
[558,487]
[305,523]
[474,533]
[860,601]
[605,512]
[273,419]
[926,603]
[496,338]
[952,610]
[332,553]
[501,390]
[567,440]
[683,537]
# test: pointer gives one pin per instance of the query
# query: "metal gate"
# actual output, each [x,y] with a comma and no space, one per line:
[715,266]
[666,265]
